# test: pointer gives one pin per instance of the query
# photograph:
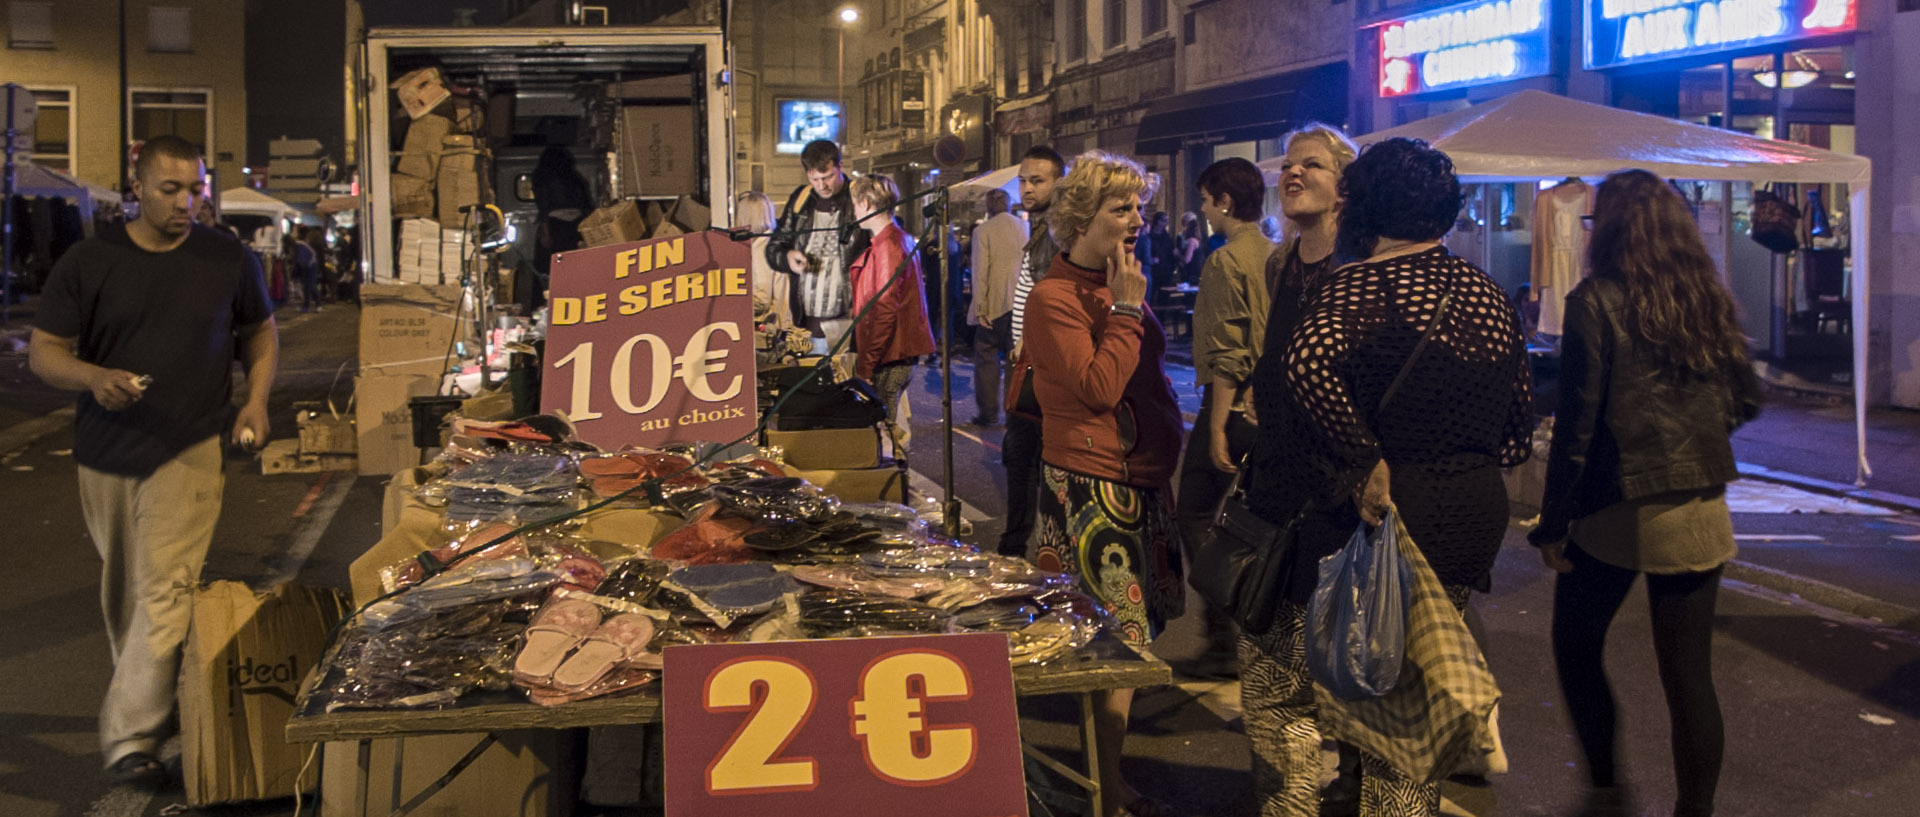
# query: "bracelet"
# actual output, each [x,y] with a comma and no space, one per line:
[1128,309]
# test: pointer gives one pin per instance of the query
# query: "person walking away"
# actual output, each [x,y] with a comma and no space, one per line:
[772,289]
[1654,377]
[306,267]
[1229,325]
[118,315]
[1327,443]
[1162,255]
[999,247]
[1110,431]
[1190,253]
[808,244]
[1040,171]
[890,301]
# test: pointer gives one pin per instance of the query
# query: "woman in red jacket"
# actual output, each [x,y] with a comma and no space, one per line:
[895,332]
[1110,428]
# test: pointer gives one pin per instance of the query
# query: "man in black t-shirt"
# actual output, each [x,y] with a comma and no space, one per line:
[145,321]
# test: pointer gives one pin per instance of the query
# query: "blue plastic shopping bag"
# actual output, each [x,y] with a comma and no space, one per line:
[1357,621]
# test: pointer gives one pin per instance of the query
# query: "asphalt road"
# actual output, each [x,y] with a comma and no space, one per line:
[1823,710]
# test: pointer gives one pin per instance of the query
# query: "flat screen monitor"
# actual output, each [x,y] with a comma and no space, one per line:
[804,120]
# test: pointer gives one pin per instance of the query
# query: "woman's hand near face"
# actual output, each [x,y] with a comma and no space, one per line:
[1124,278]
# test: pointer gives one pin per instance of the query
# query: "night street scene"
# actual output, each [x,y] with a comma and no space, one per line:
[960,408]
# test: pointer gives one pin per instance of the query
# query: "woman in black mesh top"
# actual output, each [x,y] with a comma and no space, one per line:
[1435,452]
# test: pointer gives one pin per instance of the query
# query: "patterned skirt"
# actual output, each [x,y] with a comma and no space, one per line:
[1120,541]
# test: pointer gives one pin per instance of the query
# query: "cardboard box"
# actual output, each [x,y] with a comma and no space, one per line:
[323,433]
[412,196]
[418,165]
[673,88]
[421,90]
[614,224]
[415,230]
[383,419]
[460,183]
[469,115]
[886,482]
[246,655]
[526,774]
[658,154]
[829,448]
[400,506]
[683,216]
[285,457]
[406,326]
[426,134]
[500,109]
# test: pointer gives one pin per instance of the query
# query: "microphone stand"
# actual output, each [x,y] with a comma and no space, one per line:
[950,505]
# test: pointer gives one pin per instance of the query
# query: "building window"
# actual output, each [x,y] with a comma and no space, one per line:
[1153,17]
[1076,44]
[29,25]
[1116,24]
[183,113]
[169,30]
[53,131]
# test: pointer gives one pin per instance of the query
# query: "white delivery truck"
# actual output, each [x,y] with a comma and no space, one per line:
[644,111]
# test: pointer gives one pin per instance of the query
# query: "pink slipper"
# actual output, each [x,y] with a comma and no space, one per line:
[619,639]
[558,629]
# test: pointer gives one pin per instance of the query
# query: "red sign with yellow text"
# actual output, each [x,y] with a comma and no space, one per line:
[858,727]
[651,342]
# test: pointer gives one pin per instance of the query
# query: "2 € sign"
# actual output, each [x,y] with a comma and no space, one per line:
[923,725]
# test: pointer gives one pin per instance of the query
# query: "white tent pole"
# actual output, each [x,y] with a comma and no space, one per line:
[1860,217]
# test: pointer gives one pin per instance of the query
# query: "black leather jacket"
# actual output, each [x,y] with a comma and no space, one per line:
[1625,430]
[797,218]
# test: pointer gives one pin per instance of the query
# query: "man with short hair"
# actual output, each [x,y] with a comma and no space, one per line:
[1229,326]
[145,321]
[999,248]
[1041,169]
[808,243]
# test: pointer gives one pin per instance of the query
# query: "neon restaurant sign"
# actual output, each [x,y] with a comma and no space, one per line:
[1464,45]
[1629,32]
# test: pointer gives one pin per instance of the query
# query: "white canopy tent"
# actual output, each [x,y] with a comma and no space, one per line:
[33,180]
[1006,178]
[248,201]
[1534,135]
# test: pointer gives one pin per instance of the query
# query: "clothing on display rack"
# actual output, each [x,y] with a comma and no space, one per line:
[1559,247]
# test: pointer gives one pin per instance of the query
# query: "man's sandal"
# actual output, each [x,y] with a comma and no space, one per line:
[139,770]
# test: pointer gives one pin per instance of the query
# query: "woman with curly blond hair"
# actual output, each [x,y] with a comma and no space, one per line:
[1110,429]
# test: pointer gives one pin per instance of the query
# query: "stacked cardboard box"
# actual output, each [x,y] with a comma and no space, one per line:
[405,333]
[420,251]
[453,253]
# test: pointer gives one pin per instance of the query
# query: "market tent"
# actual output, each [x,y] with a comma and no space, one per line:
[1532,135]
[248,201]
[1006,178]
[33,180]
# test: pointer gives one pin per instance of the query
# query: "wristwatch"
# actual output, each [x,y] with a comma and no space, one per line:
[1128,309]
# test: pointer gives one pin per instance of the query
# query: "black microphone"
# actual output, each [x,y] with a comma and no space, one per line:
[846,231]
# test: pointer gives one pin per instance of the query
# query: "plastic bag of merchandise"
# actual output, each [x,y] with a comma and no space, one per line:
[1357,621]
[428,661]
[835,615]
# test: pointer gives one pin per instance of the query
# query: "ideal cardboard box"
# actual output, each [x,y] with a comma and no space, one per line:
[527,773]
[657,151]
[829,448]
[245,658]
[616,223]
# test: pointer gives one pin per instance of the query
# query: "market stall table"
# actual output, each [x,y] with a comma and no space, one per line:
[1102,665]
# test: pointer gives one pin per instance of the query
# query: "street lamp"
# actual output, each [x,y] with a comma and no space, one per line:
[848,16]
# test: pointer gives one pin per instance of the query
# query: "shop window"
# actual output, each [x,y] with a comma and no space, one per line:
[1115,23]
[183,113]
[169,30]
[30,25]
[53,131]
[1153,17]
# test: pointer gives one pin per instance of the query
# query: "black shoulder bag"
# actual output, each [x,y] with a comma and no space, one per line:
[1243,565]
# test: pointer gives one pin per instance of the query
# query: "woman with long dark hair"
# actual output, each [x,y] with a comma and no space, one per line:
[1654,377]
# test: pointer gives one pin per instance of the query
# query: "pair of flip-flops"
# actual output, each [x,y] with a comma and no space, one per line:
[569,646]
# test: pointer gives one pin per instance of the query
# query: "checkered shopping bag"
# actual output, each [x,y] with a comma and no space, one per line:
[1434,722]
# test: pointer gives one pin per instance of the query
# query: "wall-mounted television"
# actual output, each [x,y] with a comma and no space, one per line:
[803,120]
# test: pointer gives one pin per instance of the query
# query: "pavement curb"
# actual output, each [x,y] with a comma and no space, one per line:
[1827,595]
[25,432]
[1884,499]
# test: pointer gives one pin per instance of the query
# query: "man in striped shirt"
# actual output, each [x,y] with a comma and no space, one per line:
[1040,170]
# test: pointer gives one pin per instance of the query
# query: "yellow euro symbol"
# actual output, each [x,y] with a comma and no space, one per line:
[889,718]
[697,362]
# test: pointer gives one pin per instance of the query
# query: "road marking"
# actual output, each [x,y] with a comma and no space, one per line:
[925,487]
[1915,538]
[24,433]
[310,521]
[1777,537]
[1222,698]
[976,438]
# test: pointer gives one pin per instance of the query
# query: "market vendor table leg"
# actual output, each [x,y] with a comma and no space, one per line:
[364,760]
[1091,752]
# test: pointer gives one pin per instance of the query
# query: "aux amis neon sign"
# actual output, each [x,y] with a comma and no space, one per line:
[1628,32]
[1459,46]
